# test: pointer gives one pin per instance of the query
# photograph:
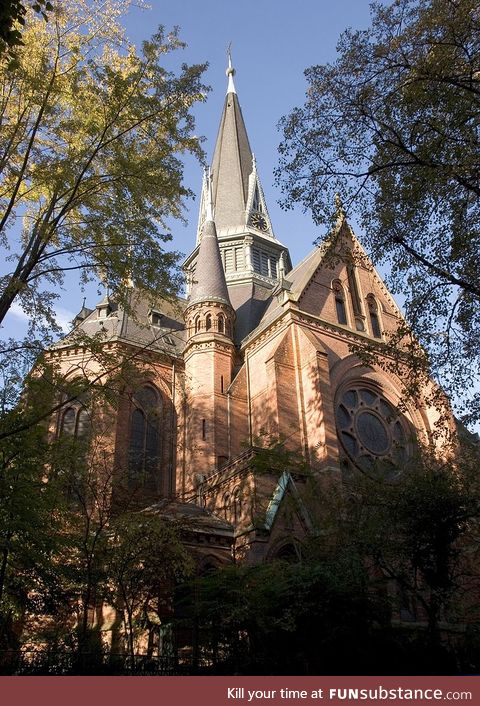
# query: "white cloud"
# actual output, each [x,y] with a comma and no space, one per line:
[17,311]
[63,316]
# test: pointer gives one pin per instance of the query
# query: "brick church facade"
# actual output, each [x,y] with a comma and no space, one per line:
[258,350]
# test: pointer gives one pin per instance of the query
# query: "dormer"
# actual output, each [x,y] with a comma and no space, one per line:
[104,308]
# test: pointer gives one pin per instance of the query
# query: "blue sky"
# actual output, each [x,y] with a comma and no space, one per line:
[272,43]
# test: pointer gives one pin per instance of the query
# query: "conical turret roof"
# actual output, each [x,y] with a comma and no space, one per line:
[209,279]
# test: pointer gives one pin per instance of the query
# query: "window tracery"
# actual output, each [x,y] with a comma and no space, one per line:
[372,432]
[76,419]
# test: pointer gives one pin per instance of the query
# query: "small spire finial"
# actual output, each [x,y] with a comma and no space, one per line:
[230,70]
[339,207]
[208,177]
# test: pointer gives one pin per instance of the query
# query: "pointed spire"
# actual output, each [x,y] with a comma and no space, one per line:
[209,278]
[232,162]
[339,207]
[230,71]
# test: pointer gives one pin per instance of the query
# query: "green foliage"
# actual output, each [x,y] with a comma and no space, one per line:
[385,580]
[146,557]
[417,531]
[92,134]
[12,20]
[29,527]
[393,125]
[280,618]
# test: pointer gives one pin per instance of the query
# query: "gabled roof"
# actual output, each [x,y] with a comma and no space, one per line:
[286,482]
[299,277]
[136,327]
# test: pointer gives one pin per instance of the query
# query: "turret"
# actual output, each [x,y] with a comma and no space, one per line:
[209,357]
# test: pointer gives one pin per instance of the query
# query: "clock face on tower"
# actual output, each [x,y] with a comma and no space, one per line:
[258,221]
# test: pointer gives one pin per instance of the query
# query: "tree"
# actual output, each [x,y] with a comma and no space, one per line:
[385,579]
[91,138]
[393,126]
[146,559]
[30,525]
[90,143]
[421,535]
[12,19]
[312,617]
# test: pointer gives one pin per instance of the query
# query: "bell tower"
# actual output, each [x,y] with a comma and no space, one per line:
[209,355]
[252,258]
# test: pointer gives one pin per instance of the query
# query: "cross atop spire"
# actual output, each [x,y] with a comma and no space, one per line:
[230,71]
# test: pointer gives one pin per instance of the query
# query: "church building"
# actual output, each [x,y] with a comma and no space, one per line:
[258,351]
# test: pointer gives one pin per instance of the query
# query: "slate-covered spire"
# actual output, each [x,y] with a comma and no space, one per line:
[209,280]
[232,162]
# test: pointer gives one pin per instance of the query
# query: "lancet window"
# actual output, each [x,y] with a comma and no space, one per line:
[340,305]
[374,317]
[75,420]
[144,451]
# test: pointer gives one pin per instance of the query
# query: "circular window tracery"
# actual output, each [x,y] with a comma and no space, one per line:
[372,432]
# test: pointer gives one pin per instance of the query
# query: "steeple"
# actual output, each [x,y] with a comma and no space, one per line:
[253,260]
[238,196]
[232,162]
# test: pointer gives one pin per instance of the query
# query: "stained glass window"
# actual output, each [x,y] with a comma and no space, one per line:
[372,432]
[144,437]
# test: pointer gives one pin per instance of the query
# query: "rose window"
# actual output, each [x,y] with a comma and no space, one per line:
[372,432]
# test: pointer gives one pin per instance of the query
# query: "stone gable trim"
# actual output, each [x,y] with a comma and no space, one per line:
[286,482]
[316,323]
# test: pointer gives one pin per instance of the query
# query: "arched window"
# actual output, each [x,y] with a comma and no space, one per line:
[208,322]
[354,289]
[226,506]
[340,306]
[144,453]
[76,419]
[288,553]
[221,323]
[197,324]
[374,319]
[75,426]
[236,505]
